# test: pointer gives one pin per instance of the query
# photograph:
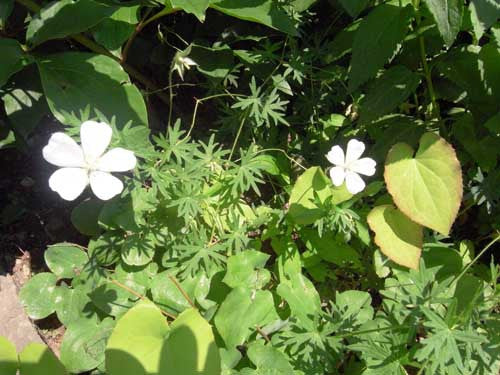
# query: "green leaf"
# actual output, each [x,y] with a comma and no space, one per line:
[354,7]
[241,311]
[85,217]
[484,150]
[111,299]
[484,14]
[354,306]
[391,89]
[25,103]
[38,295]
[268,359]
[298,292]
[37,359]
[101,84]
[113,31]
[266,12]
[61,18]
[303,208]
[190,348]
[138,250]
[301,5]
[6,7]
[448,16]
[377,41]
[135,345]
[246,269]
[213,62]
[433,180]
[398,237]
[168,296]
[341,45]
[196,7]
[8,357]
[83,344]
[106,249]
[330,247]
[13,59]
[65,260]
[73,305]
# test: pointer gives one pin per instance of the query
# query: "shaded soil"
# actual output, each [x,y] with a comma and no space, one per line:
[32,217]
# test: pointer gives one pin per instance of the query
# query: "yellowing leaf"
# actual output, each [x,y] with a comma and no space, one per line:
[397,236]
[426,187]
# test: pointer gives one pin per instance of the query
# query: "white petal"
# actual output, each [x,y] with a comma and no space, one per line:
[117,160]
[63,151]
[69,182]
[188,62]
[337,175]
[355,149]
[95,137]
[354,183]
[364,166]
[336,156]
[104,185]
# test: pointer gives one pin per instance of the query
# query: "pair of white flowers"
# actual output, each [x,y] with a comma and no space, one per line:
[87,164]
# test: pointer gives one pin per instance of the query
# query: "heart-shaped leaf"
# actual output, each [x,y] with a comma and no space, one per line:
[38,295]
[65,260]
[397,236]
[136,343]
[426,187]
[37,359]
[190,348]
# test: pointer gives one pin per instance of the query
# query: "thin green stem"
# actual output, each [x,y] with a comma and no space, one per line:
[237,137]
[425,66]
[183,292]
[466,268]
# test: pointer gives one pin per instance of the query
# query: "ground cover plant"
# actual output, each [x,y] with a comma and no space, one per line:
[262,186]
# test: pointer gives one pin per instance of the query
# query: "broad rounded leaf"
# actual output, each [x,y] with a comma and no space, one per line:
[37,359]
[73,305]
[136,342]
[111,299]
[246,269]
[190,348]
[38,295]
[85,217]
[101,84]
[65,17]
[397,236]
[8,357]
[84,343]
[65,260]
[241,311]
[137,250]
[426,187]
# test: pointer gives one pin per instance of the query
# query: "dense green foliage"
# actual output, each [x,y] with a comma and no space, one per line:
[229,250]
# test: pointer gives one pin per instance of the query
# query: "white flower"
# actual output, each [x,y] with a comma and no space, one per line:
[182,63]
[88,163]
[350,166]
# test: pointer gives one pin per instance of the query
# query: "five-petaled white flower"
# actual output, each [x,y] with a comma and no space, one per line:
[88,163]
[350,166]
